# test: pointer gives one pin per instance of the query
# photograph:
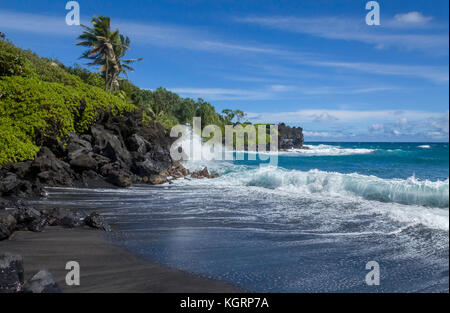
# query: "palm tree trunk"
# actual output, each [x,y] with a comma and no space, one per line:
[106,73]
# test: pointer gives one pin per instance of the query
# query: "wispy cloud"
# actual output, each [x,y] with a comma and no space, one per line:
[162,35]
[435,74]
[272,92]
[324,117]
[348,29]
[200,39]
[438,74]
[36,24]
[395,125]
[435,127]
[212,94]
[410,19]
[322,134]
[441,123]
[311,115]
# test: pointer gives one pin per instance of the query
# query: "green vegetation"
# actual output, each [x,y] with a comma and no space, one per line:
[106,49]
[41,97]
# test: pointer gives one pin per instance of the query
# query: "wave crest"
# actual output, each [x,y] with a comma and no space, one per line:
[410,191]
[329,150]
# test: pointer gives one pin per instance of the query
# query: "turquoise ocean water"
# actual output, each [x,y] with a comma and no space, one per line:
[310,224]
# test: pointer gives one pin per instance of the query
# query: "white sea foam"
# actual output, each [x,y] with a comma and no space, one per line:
[329,150]
[404,191]
[424,146]
[406,200]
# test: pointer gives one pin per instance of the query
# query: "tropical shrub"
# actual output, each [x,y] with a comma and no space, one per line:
[54,109]
[12,61]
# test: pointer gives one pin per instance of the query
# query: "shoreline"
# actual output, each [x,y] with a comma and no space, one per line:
[104,267]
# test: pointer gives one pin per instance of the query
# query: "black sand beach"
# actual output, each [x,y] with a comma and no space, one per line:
[104,268]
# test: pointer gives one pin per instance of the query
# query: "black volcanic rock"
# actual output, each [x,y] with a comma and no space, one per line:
[136,143]
[62,217]
[118,150]
[29,219]
[120,179]
[109,145]
[11,273]
[42,282]
[290,137]
[51,170]
[7,226]
[83,162]
[98,222]
[4,231]
[9,183]
[76,147]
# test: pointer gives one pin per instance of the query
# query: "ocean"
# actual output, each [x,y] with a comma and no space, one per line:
[311,224]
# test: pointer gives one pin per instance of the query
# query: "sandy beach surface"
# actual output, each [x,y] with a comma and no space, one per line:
[104,268]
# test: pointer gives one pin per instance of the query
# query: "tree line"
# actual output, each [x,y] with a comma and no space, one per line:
[106,52]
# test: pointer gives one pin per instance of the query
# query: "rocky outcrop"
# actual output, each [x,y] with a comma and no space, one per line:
[30,219]
[5,232]
[12,277]
[118,151]
[50,170]
[110,146]
[157,179]
[290,137]
[177,170]
[62,217]
[42,282]
[204,174]
[96,221]
[11,273]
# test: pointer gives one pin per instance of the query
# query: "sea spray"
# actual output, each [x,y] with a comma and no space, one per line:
[410,191]
[328,150]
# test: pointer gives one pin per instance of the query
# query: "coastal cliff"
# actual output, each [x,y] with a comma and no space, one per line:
[290,137]
[118,150]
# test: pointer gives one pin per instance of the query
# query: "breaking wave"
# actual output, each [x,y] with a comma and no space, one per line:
[329,150]
[410,191]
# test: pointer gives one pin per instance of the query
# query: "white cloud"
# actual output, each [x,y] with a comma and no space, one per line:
[274,92]
[441,123]
[324,117]
[434,73]
[199,39]
[384,124]
[347,29]
[412,18]
[32,23]
[322,134]
[282,88]
[141,33]
[332,90]
[376,128]
[222,93]
[403,122]
[434,127]
[343,116]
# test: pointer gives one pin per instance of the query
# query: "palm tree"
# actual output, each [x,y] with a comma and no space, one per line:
[107,48]
[121,66]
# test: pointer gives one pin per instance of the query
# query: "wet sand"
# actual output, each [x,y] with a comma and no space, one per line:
[104,267]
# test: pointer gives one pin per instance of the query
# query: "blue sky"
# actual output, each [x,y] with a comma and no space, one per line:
[309,63]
